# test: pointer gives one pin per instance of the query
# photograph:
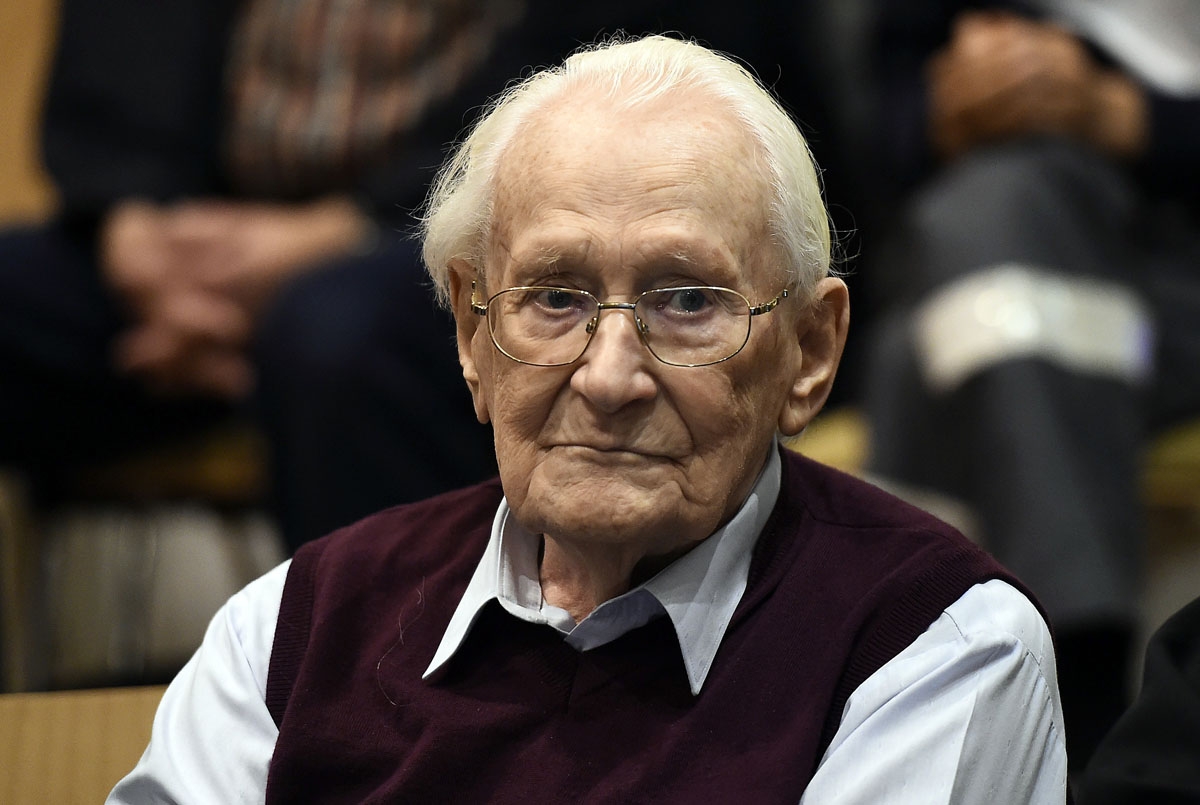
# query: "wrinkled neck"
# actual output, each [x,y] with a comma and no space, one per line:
[580,577]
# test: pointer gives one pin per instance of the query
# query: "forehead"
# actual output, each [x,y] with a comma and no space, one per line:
[678,178]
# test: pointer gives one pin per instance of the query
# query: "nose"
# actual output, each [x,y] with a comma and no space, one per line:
[616,369]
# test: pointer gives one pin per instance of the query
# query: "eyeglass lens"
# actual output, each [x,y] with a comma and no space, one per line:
[682,326]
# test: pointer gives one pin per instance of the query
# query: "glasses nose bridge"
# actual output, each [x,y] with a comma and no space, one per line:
[638,325]
[594,324]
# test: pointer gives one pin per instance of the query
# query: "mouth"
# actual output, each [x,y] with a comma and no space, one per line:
[602,453]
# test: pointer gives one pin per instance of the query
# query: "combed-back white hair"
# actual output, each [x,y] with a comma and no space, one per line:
[627,73]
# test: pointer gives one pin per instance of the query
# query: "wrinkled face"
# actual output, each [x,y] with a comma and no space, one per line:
[618,447]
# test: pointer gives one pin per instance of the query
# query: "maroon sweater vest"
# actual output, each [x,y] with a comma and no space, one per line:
[842,579]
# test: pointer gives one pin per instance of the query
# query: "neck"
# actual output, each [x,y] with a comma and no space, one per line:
[578,578]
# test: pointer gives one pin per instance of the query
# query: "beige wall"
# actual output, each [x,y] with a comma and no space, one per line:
[26,39]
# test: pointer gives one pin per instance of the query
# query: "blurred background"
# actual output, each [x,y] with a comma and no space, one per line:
[143,482]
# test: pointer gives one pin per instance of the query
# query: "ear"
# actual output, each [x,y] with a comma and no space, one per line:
[467,324]
[821,335]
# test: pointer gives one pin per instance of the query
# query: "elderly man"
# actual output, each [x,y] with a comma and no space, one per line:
[653,602]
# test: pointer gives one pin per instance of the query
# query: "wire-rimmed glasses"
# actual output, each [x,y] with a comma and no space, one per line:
[694,325]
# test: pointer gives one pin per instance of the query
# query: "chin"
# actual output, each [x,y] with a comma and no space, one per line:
[612,509]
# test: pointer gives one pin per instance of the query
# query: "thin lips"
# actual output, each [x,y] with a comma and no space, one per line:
[613,448]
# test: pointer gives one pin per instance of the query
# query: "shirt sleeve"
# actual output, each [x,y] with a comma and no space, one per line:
[213,737]
[970,712]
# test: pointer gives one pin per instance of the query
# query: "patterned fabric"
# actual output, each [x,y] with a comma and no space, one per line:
[319,90]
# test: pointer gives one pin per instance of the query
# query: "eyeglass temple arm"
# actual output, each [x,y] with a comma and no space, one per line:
[767,307]
[478,309]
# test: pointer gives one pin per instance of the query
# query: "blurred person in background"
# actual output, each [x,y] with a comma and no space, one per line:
[1151,756]
[1039,291]
[236,184]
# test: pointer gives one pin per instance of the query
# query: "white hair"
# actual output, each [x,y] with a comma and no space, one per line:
[457,215]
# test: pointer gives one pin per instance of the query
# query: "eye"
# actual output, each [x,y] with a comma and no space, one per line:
[685,300]
[557,299]
[691,300]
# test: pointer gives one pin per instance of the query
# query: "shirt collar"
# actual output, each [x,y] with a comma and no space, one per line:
[698,592]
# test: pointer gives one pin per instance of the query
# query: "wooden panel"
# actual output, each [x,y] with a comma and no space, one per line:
[72,746]
[19,570]
[1171,470]
[27,29]
[837,437]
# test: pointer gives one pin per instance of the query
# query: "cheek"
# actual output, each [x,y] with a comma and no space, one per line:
[517,412]
[522,399]
[741,405]
[732,421]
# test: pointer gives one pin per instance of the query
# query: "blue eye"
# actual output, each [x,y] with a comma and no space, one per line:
[558,300]
[687,300]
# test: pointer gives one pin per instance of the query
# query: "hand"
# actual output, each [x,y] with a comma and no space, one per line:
[184,339]
[1003,76]
[196,275]
[246,251]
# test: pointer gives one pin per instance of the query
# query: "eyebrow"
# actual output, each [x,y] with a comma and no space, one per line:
[719,271]
[543,256]
[535,265]
[679,256]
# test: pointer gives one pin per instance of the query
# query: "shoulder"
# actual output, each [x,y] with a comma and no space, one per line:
[888,572]
[997,614]
[991,650]
[435,542]
[982,638]
[881,537]
[418,555]
[861,532]
[430,533]
[837,498]
[980,677]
